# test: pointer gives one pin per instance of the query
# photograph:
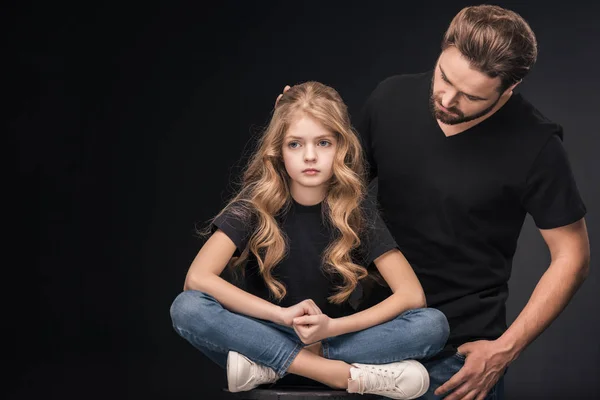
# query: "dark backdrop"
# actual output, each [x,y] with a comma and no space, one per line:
[127,122]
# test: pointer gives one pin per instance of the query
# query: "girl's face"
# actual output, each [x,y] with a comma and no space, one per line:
[308,152]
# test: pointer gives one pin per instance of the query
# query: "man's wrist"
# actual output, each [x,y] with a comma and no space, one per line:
[510,346]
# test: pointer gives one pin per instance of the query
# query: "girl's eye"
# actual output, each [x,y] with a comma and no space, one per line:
[293,145]
[324,143]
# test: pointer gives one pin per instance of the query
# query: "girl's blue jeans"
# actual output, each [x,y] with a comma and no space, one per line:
[201,320]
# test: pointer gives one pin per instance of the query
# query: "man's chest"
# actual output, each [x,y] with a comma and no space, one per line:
[420,166]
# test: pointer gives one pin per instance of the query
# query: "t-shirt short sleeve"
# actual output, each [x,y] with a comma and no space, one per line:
[551,195]
[377,239]
[234,226]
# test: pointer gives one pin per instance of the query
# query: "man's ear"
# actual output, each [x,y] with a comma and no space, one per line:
[513,86]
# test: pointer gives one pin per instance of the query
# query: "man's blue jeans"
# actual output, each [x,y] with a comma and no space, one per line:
[440,370]
[201,320]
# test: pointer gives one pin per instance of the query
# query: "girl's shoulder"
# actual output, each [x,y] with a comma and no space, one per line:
[370,209]
[242,210]
[236,220]
[375,235]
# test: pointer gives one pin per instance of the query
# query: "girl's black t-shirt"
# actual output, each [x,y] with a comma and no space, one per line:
[308,233]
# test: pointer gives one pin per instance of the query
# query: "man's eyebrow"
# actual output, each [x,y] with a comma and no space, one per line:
[448,80]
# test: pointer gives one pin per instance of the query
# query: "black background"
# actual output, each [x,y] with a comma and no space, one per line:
[127,122]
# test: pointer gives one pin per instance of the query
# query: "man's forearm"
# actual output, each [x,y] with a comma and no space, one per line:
[551,295]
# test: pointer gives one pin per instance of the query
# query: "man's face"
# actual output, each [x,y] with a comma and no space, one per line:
[460,93]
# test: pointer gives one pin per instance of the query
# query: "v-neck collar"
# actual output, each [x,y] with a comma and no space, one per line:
[476,127]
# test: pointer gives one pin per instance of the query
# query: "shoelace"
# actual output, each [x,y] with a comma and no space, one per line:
[377,380]
[265,374]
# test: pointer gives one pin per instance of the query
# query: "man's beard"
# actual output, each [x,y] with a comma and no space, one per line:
[457,116]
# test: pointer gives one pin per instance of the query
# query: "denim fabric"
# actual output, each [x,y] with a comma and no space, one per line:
[443,369]
[201,320]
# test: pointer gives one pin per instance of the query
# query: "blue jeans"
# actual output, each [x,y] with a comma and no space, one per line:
[440,370]
[201,320]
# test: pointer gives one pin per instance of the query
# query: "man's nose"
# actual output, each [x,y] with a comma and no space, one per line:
[448,98]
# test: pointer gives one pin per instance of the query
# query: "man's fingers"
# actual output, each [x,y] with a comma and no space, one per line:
[469,396]
[482,395]
[451,383]
[462,392]
[285,89]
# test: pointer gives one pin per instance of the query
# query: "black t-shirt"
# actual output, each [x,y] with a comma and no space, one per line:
[307,233]
[456,205]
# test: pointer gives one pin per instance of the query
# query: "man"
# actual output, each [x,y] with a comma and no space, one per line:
[460,160]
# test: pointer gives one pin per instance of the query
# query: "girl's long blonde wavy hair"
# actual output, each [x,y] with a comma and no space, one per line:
[265,190]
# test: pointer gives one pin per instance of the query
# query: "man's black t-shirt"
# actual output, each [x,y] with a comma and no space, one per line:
[456,205]
[308,233]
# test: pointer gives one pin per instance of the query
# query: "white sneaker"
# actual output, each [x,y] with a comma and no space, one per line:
[243,374]
[400,380]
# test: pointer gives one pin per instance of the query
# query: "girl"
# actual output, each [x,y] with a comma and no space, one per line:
[308,245]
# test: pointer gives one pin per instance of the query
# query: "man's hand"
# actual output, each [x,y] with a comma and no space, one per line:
[313,328]
[484,365]
[305,307]
[285,89]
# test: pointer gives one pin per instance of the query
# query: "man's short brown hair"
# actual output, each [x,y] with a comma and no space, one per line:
[498,42]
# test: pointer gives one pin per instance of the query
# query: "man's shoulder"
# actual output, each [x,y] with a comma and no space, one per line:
[406,78]
[530,121]
[401,83]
